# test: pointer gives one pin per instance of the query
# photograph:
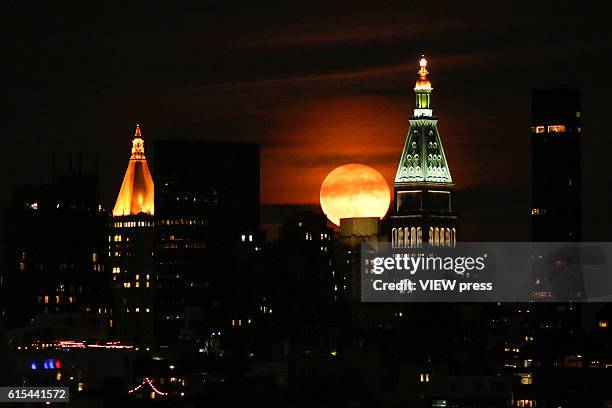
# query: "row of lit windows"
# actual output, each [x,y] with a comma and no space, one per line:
[265,309]
[550,129]
[238,322]
[129,285]
[58,299]
[194,245]
[181,222]
[137,310]
[323,236]
[413,236]
[133,224]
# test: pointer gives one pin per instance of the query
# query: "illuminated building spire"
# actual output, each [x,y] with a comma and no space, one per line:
[136,194]
[422,208]
[423,158]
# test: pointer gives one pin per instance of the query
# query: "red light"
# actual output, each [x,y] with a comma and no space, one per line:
[58,364]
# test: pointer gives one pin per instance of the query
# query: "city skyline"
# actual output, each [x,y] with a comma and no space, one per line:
[344,97]
[362,204]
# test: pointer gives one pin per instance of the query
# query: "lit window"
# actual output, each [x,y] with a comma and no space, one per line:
[538,129]
[116,269]
[94,257]
[526,378]
[538,211]
[137,309]
[556,129]
[126,285]
[603,324]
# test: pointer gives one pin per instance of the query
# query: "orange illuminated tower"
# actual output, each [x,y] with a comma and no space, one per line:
[130,250]
[422,207]
[136,194]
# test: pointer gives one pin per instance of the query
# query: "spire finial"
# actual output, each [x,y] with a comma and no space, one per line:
[137,132]
[423,90]
[423,84]
[423,70]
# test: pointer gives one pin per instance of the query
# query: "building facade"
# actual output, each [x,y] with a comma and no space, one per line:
[207,209]
[556,186]
[53,251]
[130,250]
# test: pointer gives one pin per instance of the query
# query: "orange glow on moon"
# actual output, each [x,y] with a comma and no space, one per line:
[354,190]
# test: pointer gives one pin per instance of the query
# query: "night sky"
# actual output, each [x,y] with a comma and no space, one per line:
[316,84]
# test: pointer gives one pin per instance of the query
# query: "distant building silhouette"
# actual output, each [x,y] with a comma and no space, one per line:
[556,185]
[207,209]
[54,250]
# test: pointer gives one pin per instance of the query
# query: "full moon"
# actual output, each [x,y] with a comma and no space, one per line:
[354,190]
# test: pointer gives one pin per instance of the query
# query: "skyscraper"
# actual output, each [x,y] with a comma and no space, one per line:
[53,250]
[422,207]
[130,250]
[207,208]
[555,141]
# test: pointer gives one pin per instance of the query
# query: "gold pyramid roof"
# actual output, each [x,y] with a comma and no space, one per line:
[136,194]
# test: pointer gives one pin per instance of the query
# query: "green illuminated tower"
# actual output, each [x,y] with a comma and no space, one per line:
[422,209]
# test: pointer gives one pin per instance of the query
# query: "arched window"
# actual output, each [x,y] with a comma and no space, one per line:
[400,237]
[454,233]
[431,236]
[419,236]
[413,236]
[436,236]
[393,237]
[407,237]
[447,237]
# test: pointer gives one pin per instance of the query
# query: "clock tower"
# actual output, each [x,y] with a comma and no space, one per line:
[422,205]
